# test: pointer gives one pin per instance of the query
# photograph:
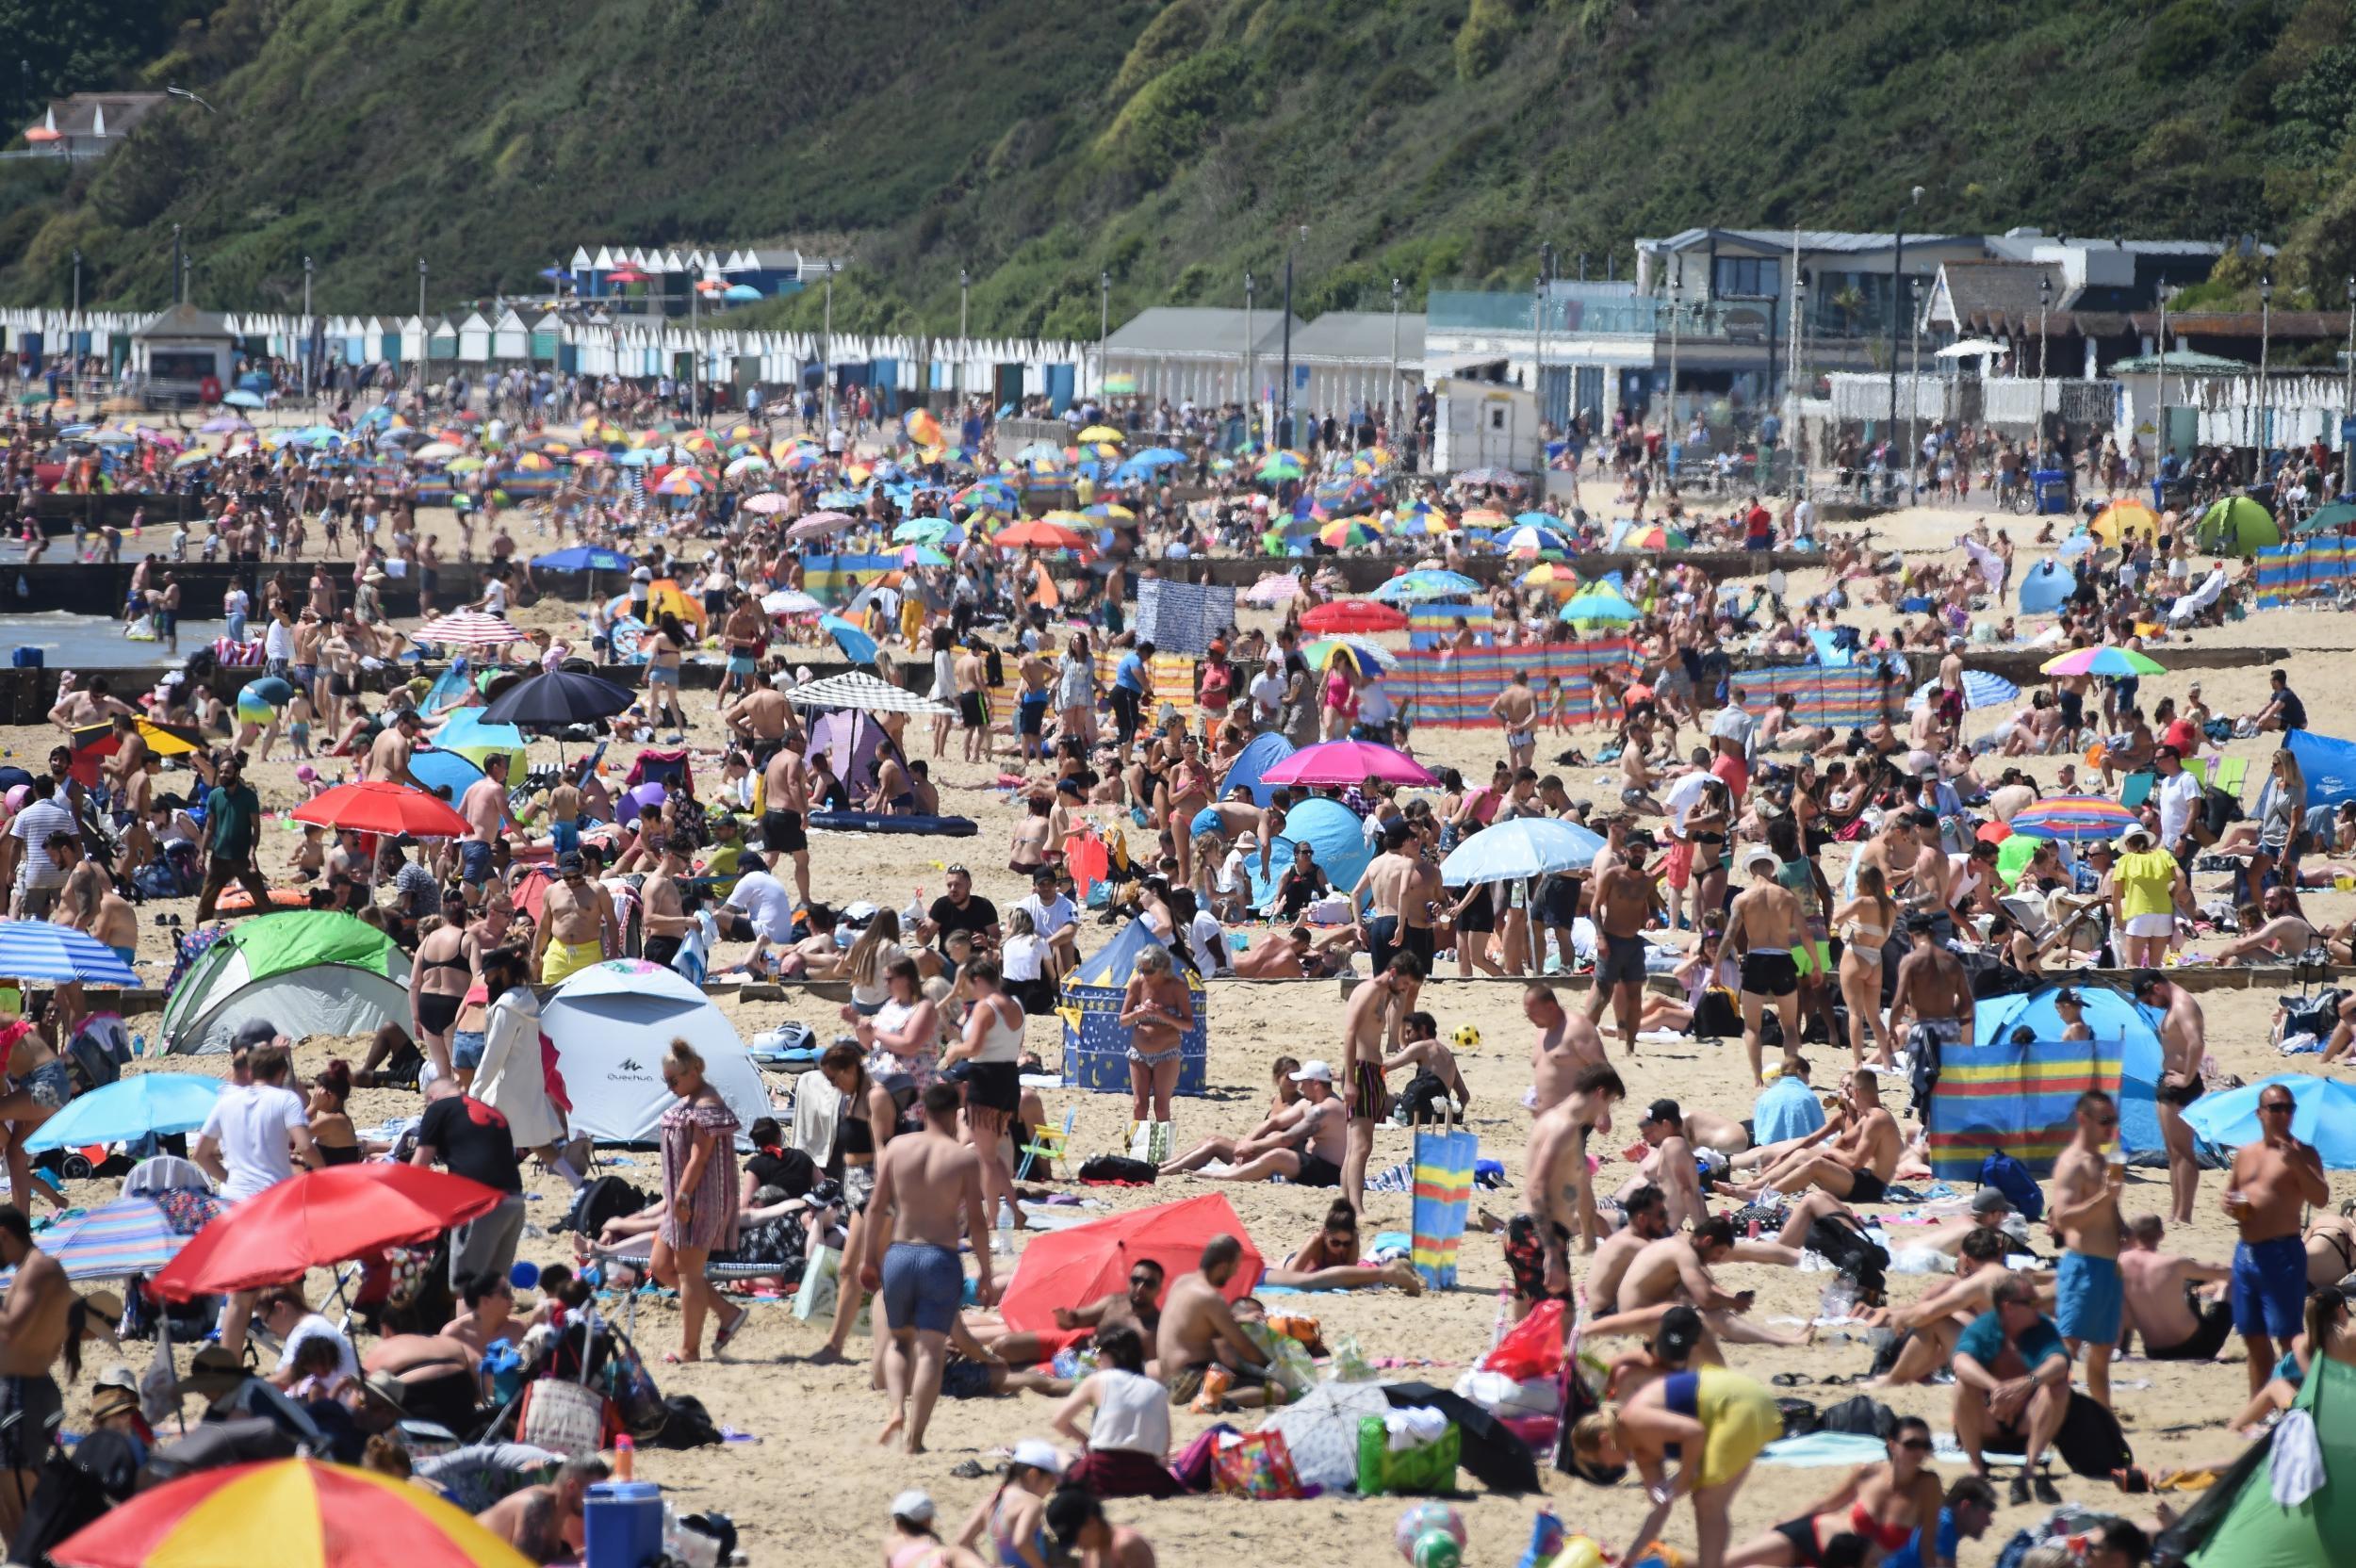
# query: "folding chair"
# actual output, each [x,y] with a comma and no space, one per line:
[1047,1144]
[2233,773]
[2135,788]
[2199,768]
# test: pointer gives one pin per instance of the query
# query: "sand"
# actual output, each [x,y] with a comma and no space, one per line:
[815,1481]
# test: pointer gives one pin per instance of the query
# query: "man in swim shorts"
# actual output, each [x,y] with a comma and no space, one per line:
[574,921]
[2271,1180]
[1625,898]
[1765,924]
[2163,1304]
[35,1323]
[930,1185]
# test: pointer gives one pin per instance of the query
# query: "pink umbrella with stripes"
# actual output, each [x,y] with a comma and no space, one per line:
[469,629]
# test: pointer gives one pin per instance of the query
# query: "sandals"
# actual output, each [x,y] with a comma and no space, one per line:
[720,1340]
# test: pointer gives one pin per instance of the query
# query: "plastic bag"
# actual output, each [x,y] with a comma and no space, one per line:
[1288,1364]
[1256,1465]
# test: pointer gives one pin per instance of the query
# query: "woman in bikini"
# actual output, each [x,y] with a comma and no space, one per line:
[1188,787]
[1158,1009]
[330,1126]
[1864,924]
[439,976]
[868,1119]
[1330,1261]
[37,1087]
[1885,1503]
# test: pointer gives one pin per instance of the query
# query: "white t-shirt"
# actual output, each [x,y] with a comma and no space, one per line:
[252,1126]
[765,899]
[2176,797]
[235,602]
[1205,935]
[1268,691]
[278,640]
[315,1327]
[1048,919]
[494,597]
[1023,959]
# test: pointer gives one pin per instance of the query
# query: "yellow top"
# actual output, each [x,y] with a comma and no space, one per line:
[1738,1417]
[2147,882]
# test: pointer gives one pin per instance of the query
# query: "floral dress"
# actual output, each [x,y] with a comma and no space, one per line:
[712,1225]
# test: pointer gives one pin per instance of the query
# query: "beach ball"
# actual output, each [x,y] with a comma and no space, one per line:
[1580,1552]
[1437,1549]
[1467,1036]
[1422,1519]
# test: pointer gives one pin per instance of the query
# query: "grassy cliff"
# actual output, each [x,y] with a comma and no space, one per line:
[1171,144]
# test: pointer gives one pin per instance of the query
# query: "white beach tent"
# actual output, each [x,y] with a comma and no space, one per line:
[309,971]
[611,1025]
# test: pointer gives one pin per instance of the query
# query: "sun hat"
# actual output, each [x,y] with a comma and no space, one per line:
[1039,1455]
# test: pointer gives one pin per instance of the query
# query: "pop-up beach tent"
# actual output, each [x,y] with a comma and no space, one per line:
[2017,1096]
[611,1025]
[309,971]
[2239,1523]
[1336,834]
[1262,753]
[1095,1046]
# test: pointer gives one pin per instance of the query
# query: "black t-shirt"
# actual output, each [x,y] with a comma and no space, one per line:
[788,1170]
[978,915]
[2293,711]
[473,1141]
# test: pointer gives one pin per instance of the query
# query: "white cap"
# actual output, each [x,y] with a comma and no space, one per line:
[1314,1072]
[1759,854]
[914,1506]
[1039,1455]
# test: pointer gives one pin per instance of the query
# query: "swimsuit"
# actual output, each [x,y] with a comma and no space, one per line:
[564,959]
[1525,1259]
[1738,1418]
[1770,971]
[2216,1322]
[922,1284]
[2270,1287]
[1370,1095]
[2090,1298]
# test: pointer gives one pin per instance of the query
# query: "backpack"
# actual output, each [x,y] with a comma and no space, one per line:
[2011,1178]
[1857,1256]
[1118,1169]
[2316,1015]
[99,1052]
[685,1424]
[606,1198]
[1862,1414]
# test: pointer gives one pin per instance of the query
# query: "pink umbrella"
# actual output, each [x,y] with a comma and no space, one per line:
[819,524]
[768,500]
[1348,762]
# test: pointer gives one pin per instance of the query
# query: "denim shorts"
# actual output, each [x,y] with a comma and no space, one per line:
[466,1049]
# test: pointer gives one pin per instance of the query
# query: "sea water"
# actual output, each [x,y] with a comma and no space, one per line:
[97,641]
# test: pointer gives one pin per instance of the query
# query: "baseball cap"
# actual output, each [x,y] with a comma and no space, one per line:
[1663,1110]
[2069,995]
[1314,1072]
[568,862]
[1681,1330]
[1039,1455]
[914,1506]
[1990,1200]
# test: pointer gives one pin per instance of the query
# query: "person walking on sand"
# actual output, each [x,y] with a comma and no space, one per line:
[2184,1042]
[1765,924]
[2089,1292]
[1369,1026]
[699,1197]
[929,1185]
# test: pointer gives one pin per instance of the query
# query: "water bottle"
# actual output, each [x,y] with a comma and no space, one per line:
[625,1457]
[1001,1240]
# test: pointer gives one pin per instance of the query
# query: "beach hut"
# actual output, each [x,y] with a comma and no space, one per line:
[1095,1046]
[611,1025]
[511,340]
[309,971]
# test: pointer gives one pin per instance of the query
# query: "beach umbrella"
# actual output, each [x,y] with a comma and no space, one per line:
[1038,533]
[1529,541]
[130,1108]
[383,805]
[1348,762]
[243,398]
[2079,819]
[1279,589]
[1412,587]
[789,601]
[1365,650]
[1980,689]
[856,646]
[469,629]
[2235,525]
[1280,467]
[556,699]
[133,1234]
[477,740]
[2122,519]
[292,1513]
[1081,1263]
[1551,575]
[1353,615]
[922,555]
[1487,519]
[1496,479]
[440,769]
[1102,432]
[1527,846]
[818,525]
[1652,537]
[926,530]
[1348,533]
[740,293]
[1600,606]
[2326,1116]
[743,465]
[582,558]
[38,951]
[923,428]
[2103,661]
[319,1219]
[2338,517]
[766,502]
[1158,457]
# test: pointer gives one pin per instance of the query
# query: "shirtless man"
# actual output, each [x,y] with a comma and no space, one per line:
[1625,896]
[1932,986]
[746,636]
[2184,1043]
[1764,924]
[1401,885]
[1560,1190]
[1927,1327]
[2271,1180]
[666,920]
[1422,1050]
[1516,708]
[1138,1306]
[1370,1026]
[1667,1164]
[544,1523]
[1278,956]
[1199,1337]
[1855,1167]
[2090,1296]
[484,807]
[92,704]
[1677,1267]
[971,672]
[2174,1321]
[931,1186]
[1567,1044]
[35,1322]
[574,920]
[1031,702]
[1305,1142]
[130,756]
[1645,1212]
[760,718]
[785,812]
[388,754]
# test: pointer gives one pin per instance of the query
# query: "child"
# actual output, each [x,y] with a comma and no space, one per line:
[298,723]
[1558,712]
[311,856]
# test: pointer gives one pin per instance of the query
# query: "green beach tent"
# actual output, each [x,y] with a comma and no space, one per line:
[309,971]
[2247,1528]
[2237,526]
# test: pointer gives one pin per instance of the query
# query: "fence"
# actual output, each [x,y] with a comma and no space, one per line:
[2304,569]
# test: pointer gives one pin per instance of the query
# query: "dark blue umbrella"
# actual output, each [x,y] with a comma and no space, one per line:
[558,699]
[582,558]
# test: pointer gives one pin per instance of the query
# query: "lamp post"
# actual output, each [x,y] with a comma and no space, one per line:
[1914,396]
[965,297]
[827,350]
[73,332]
[2044,300]
[1249,368]
[1285,421]
[1897,264]
[2266,330]
[2348,398]
[175,264]
[694,350]
[1390,412]
[1103,326]
[1669,418]
[2159,439]
[1538,319]
[310,381]
[1792,381]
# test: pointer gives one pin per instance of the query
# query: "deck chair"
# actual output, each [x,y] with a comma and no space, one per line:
[2233,774]
[1047,1145]
[2135,788]
[2199,768]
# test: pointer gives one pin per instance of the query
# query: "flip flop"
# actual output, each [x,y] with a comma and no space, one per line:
[720,1340]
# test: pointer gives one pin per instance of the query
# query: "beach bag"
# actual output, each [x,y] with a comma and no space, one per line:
[1118,1169]
[1257,1465]
[2008,1176]
[603,1198]
[685,1424]
[820,1281]
[1193,1465]
[1857,1256]
[1862,1414]
[565,1418]
[2090,1441]
[1427,1467]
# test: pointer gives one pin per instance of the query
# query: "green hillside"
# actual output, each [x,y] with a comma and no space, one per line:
[1175,145]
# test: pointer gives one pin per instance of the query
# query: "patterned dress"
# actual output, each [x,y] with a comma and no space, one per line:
[713,1224]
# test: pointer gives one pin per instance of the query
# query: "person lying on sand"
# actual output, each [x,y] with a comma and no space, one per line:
[1330,1261]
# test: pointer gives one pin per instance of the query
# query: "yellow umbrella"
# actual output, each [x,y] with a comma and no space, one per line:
[1102,432]
[2122,519]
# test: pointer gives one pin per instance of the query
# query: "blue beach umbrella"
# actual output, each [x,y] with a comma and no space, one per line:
[36,949]
[1428,584]
[130,1109]
[114,1241]
[2326,1116]
[859,647]
[1527,846]
[582,558]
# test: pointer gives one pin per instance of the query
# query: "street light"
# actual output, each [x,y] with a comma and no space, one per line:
[1538,319]
[1390,422]
[2266,330]
[2348,398]
[309,385]
[1792,381]
[176,91]
[175,264]
[965,296]
[1249,368]
[73,334]
[828,350]
[1669,418]
[2044,300]
[1103,326]
[1285,423]
[425,339]
[1897,263]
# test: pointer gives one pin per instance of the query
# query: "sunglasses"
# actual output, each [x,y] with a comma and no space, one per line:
[2105,1120]
[2277,1107]
[1919,1444]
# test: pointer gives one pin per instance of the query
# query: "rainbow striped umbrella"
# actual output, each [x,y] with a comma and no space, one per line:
[2104,661]
[1345,532]
[130,1236]
[2079,819]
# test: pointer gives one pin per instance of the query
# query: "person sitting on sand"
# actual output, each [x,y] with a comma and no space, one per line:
[1855,1166]
[912,1542]
[1135,1307]
[1201,1345]
[490,1316]
[1436,1072]
[1330,1261]
[1294,954]
[1303,1143]
[544,1523]
[1083,1536]
[1128,1443]
[973,1370]
[1677,1267]
[2165,1306]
